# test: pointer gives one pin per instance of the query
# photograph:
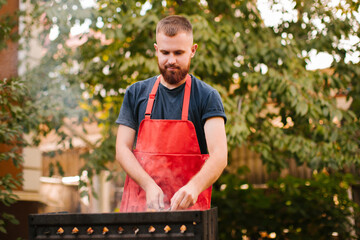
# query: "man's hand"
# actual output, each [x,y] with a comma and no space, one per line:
[185,197]
[154,197]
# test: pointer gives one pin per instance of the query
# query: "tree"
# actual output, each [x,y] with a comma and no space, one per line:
[251,64]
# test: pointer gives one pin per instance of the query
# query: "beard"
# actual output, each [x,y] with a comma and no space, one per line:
[174,76]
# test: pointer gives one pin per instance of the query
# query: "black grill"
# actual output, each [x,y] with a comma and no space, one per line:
[142,225]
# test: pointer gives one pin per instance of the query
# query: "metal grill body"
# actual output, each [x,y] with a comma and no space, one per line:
[201,225]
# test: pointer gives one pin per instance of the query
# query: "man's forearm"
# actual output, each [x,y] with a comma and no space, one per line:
[133,168]
[187,195]
[124,142]
[217,146]
[209,173]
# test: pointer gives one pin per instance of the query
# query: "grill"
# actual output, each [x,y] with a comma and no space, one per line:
[141,225]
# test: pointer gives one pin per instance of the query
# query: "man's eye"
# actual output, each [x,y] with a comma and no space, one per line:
[178,53]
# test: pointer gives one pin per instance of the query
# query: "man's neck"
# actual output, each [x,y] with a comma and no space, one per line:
[171,86]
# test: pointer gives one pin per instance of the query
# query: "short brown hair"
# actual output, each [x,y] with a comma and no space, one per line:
[173,24]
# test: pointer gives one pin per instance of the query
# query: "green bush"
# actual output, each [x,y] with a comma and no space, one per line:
[288,208]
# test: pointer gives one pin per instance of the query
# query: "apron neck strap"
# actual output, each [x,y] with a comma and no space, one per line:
[185,108]
[186,101]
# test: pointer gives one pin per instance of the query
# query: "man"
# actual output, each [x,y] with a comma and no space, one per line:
[175,120]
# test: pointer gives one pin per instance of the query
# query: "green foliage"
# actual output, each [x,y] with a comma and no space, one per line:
[9,218]
[290,207]
[17,116]
[259,70]
[12,92]
[13,118]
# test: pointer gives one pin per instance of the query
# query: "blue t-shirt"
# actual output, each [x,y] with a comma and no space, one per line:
[205,102]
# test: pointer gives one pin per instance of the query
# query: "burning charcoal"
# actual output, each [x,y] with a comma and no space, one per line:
[183,228]
[263,234]
[167,229]
[151,229]
[136,230]
[90,231]
[105,230]
[60,231]
[120,230]
[75,231]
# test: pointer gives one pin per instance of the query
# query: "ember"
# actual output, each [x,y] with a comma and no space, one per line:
[167,229]
[90,231]
[105,230]
[183,228]
[75,230]
[60,231]
[120,230]
[151,229]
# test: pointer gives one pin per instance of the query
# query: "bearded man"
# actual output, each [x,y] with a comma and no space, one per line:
[176,123]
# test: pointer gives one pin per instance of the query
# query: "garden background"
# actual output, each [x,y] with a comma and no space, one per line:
[260,55]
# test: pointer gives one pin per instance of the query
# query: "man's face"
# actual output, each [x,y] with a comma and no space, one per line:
[174,56]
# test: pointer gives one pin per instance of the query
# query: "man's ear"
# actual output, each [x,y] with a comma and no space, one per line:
[193,50]
[156,49]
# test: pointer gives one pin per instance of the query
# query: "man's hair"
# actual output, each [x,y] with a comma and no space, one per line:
[172,25]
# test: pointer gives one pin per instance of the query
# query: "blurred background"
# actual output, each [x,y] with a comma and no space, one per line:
[288,73]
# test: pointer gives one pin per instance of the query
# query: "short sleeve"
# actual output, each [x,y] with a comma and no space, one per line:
[127,115]
[213,107]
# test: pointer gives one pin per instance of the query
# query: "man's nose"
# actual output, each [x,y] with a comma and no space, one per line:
[172,59]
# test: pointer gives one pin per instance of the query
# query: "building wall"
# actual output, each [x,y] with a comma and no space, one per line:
[8,56]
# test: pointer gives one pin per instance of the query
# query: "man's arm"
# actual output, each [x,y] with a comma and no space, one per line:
[217,146]
[124,144]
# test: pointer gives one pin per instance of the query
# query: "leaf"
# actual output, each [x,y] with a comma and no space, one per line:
[110,177]
[60,169]
[292,90]
[51,169]
[84,194]
[250,117]
[302,108]
[2,229]
[11,218]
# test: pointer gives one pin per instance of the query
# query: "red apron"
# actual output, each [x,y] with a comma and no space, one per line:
[169,152]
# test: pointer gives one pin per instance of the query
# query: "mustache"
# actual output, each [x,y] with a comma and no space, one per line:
[172,66]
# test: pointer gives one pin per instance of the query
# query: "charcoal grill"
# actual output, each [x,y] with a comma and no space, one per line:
[141,225]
